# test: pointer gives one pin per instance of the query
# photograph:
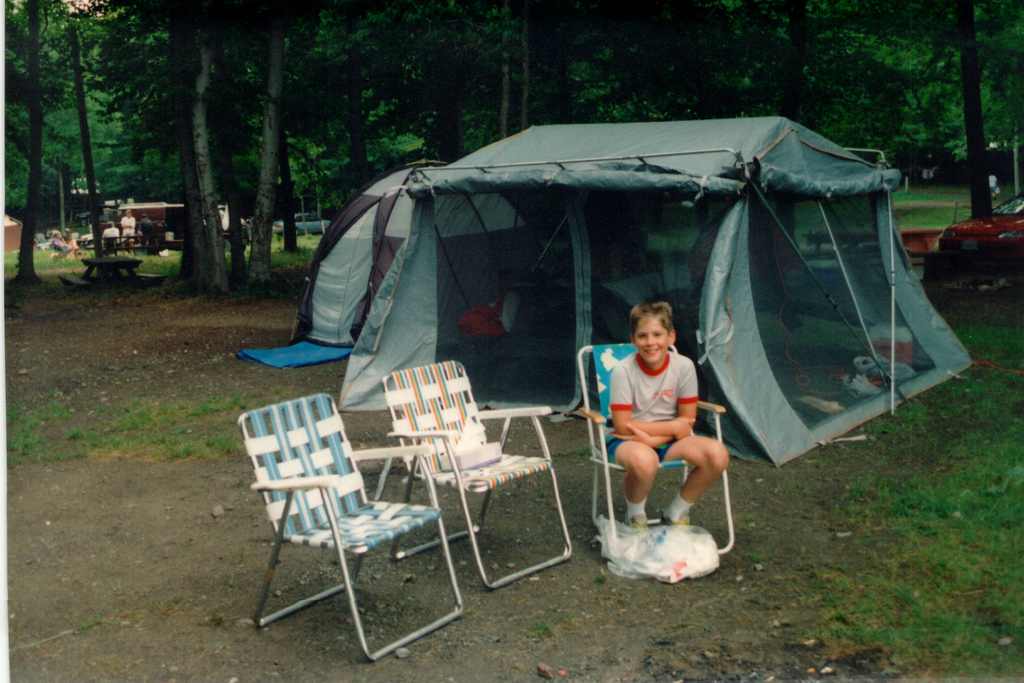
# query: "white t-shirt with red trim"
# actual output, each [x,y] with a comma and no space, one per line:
[653,395]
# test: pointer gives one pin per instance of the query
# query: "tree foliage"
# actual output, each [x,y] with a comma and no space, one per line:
[368,86]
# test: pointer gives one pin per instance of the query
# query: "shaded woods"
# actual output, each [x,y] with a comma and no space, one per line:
[271,108]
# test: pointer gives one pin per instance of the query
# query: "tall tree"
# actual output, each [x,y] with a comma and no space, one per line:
[210,269]
[26,253]
[85,136]
[524,99]
[259,255]
[356,85]
[794,73]
[182,79]
[286,196]
[506,79]
[974,127]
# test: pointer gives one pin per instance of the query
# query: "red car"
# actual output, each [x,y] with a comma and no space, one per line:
[999,236]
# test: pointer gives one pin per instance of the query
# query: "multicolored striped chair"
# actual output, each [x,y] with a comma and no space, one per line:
[605,358]
[306,474]
[434,405]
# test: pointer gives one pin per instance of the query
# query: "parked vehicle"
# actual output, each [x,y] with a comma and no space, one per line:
[305,224]
[1001,235]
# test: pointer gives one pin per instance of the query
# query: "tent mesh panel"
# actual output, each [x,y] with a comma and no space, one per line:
[812,325]
[506,294]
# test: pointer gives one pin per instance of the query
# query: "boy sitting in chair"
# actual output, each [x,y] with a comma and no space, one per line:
[654,406]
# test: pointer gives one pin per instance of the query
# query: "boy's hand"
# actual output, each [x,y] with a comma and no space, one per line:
[647,439]
[684,427]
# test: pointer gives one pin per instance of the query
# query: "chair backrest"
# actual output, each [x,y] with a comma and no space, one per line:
[302,437]
[435,397]
[606,357]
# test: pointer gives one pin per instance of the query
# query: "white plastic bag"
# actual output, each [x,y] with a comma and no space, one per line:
[666,553]
[473,451]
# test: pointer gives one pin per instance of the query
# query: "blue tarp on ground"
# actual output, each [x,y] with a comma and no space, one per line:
[296,355]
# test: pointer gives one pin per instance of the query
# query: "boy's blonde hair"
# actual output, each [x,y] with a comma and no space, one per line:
[662,310]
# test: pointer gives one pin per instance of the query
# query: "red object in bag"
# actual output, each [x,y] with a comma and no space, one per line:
[482,321]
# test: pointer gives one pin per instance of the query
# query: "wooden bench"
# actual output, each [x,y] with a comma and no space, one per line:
[74,281]
[149,279]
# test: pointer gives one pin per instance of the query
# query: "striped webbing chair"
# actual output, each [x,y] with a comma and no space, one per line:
[314,495]
[605,358]
[434,405]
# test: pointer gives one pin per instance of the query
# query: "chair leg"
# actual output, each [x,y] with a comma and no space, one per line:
[268,578]
[728,514]
[494,584]
[398,554]
[354,608]
[382,479]
[483,509]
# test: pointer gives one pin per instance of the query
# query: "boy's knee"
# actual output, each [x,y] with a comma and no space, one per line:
[718,457]
[643,465]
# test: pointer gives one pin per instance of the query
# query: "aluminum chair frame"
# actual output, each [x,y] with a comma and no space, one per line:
[328,474]
[444,440]
[598,433]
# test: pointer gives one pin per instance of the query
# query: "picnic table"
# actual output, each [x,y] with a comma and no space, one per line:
[111,269]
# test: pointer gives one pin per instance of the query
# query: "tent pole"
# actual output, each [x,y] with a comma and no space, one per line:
[587,160]
[849,285]
[892,306]
[817,281]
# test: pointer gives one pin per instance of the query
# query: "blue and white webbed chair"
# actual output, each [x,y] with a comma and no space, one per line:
[598,375]
[306,473]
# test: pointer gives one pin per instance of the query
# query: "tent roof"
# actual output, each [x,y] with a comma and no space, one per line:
[687,156]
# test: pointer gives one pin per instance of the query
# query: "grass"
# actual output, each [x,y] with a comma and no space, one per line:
[148,429]
[948,587]
[168,265]
[947,204]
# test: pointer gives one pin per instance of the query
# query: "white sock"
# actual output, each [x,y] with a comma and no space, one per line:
[634,509]
[678,508]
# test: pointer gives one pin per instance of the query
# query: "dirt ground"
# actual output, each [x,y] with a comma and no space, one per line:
[120,570]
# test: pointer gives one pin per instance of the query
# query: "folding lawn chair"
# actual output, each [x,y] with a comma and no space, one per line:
[434,405]
[606,357]
[305,471]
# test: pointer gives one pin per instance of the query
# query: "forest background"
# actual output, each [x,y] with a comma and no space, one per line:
[273,107]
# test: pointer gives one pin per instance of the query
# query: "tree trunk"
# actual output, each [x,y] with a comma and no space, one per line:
[356,133]
[86,139]
[792,97]
[26,253]
[981,200]
[506,81]
[210,270]
[565,93]
[524,103]
[259,254]
[287,197]
[225,152]
[182,79]
[450,129]
[236,277]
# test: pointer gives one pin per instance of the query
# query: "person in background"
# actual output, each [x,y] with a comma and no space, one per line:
[993,185]
[63,247]
[128,229]
[146,231]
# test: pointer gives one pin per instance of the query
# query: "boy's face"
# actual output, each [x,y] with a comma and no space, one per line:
[652,340]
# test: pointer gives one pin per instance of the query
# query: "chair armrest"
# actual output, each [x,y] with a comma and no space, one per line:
[592,415]
[298,483]
[424,434]
[528,411]
[390,452]
[711,407]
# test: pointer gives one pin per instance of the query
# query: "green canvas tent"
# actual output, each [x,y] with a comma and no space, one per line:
[774,245]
